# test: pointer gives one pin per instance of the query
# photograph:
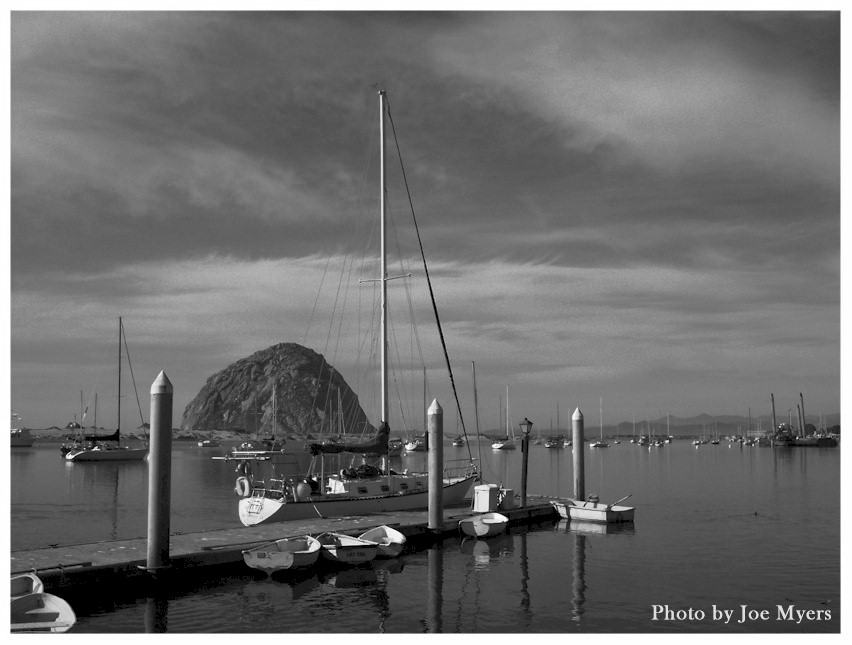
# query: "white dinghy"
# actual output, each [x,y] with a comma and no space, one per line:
[484,525]
[283,554]
[347,549]
[390,541]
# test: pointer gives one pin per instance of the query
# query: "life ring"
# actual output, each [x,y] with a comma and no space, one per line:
[243,487]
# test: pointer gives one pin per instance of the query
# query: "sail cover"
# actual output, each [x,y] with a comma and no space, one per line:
[378,445]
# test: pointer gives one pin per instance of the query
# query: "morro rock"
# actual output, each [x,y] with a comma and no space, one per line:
[310,396]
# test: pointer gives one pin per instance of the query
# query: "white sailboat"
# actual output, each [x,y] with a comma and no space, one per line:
[507,442]
[102,449]
[366,489]
[601,443]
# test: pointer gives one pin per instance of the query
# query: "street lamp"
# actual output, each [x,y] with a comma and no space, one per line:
[526,426]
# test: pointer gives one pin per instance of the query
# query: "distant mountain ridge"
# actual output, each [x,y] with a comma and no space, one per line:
[725,424]
[308,392]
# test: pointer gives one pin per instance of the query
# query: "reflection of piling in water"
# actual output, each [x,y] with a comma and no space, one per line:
[156,616]
[436,465]
[435,584]
[577,439]
[525,577]
[579,584]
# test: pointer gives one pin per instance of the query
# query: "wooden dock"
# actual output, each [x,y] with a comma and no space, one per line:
[121,563]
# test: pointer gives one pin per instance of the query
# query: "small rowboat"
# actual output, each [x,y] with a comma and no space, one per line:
[347,549]
[390,541]
[594,511]
[41,612]
[484,525]
[287,553]
[26,583]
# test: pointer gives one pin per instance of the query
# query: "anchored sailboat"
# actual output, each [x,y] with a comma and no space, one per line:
[507,442]
[601,443]
[99,448]
[366,489]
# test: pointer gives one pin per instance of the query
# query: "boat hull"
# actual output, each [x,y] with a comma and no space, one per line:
[25,584]
[21,439]
[593,511]
[265,510]
[390,541]
[112,454]
[485,525]
[346,549]
[284,554]
[41,612]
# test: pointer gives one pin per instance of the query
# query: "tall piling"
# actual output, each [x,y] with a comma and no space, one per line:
[526,426]
[774,422]
[160,473]
[577,442]
[435,436]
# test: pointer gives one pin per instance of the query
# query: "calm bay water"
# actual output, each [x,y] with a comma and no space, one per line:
[719,525]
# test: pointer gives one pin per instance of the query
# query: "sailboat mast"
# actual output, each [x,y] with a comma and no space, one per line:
[118,405]
[384,276]
[507,411]
[475,397]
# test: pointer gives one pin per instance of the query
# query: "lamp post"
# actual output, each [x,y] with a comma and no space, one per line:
[526,427]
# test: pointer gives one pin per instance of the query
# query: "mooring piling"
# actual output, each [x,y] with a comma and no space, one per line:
[435,436]
[578,445]
[526,427]
[159,473]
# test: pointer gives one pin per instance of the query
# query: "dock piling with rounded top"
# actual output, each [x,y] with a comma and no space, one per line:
[577,439]
[160,473]
[435,419]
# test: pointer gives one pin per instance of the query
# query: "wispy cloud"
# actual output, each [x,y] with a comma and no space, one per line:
[640,205]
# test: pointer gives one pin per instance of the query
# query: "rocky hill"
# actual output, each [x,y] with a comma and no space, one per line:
[309,395]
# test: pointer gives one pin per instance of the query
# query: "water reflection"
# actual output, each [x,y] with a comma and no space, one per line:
[578,586]
[525,579]
[281,587]
[486,549]
[595,528]
[435,587]
[156,616]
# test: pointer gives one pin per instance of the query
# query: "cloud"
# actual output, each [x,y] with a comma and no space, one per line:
[609,201]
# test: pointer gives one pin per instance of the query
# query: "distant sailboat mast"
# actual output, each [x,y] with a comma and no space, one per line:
[118,406]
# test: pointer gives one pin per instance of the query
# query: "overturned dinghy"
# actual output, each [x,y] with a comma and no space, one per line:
[283,554]
[390,541]
[484,525]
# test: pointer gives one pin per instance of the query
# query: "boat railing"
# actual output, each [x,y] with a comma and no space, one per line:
[459,468]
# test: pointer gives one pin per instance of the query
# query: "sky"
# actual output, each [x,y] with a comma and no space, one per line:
[636,214]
